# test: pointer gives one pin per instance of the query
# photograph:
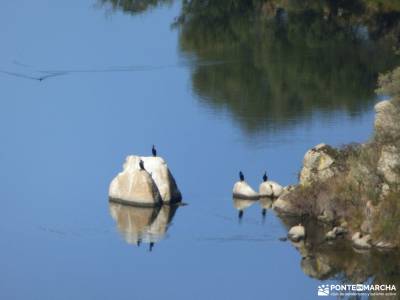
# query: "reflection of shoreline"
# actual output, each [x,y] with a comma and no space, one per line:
[338,260]
[139,225]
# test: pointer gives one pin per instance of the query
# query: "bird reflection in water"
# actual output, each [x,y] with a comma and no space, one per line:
[145,225]
[266,204]
[241,205]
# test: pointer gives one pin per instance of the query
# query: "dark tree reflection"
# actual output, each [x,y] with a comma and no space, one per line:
[284,60]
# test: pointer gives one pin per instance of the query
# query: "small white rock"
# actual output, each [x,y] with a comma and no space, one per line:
[361,241]
[297,233]
[242,189]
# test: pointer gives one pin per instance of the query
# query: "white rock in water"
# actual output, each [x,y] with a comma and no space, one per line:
[270,189]
[135,187]
[297,233]
[242,189]
[160,175]
[361,241]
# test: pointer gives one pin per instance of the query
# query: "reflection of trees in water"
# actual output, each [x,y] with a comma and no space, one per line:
[283,64]
[134,6]
[338,260]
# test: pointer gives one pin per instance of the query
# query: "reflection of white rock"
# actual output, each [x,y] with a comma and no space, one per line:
[163,181]
[297,233]
[270,189]
[265,202]
[136,187]
[142,224]
[242,204]
[242,189]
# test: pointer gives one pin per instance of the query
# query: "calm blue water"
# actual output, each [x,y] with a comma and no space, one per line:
[65,138]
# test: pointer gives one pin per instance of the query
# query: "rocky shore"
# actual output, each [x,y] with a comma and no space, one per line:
[354,190]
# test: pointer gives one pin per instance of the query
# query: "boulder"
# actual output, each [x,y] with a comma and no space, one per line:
[147,187]
[135,187]
[160,173]
[317,165]
[387,121]
[270,189]
[389,164]
[335,232]
[361,241]
[243,190]
[297,233]
[283,204]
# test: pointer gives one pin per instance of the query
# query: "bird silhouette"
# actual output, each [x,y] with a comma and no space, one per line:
[141,165]
[154,151]
[265,177]
[240,215]
[241,176]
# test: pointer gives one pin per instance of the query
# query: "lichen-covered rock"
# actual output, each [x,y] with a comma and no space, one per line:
[317,165]
[242,189]
[135,187]
[389,164]
[283,205]
[297,233]
[387,120]
[270,189]
[160,173]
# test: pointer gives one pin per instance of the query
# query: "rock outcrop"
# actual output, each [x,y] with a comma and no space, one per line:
[149,187]
[359,184]
[318,165]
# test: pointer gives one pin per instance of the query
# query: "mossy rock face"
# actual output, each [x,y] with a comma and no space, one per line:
[318,164]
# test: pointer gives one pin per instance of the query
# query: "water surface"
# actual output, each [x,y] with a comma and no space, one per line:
[123,81]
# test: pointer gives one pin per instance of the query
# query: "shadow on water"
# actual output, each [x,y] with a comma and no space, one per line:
[141,225]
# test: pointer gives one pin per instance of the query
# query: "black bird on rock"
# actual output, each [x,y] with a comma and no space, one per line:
[154,151]
[241,176]
[141,165]
[265,177]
